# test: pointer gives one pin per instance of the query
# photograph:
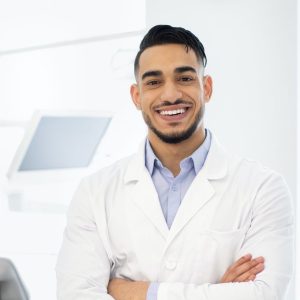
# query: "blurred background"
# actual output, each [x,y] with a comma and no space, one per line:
[74,58]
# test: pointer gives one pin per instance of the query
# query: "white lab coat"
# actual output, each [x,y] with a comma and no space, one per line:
[234,206]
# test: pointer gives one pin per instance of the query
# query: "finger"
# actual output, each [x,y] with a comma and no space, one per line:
[238,263]
[251,274]
[247,266]
[228,276]
[236,271]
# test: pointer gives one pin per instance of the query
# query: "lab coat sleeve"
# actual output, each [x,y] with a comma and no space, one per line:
[271,235]
[83,265]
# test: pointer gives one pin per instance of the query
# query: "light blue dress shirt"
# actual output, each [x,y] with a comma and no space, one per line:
[170,189]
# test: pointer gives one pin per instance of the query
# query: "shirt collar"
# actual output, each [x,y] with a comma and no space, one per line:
[198,157]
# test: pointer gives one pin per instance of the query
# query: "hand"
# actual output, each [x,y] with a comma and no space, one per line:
[243,270]
[122,289]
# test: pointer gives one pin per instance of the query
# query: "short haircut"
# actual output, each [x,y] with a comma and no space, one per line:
[166,34]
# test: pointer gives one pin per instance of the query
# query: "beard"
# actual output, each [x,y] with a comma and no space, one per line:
[176,137]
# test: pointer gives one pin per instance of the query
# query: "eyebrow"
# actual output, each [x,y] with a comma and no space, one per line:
[151,74]
[185,69]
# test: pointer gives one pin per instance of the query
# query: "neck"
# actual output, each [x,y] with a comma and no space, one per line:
[172,154]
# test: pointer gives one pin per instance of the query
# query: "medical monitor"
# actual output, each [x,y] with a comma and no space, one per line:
[59,141]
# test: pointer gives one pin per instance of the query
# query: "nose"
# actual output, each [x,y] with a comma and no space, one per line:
[170,92]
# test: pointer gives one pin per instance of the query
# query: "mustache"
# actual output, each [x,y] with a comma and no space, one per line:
[169,103]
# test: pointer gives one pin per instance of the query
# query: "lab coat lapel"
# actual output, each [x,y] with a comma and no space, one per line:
[199,193]
[143,192]
[201,190]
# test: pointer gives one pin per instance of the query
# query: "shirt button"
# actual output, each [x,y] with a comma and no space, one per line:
[174,189]
[171,264]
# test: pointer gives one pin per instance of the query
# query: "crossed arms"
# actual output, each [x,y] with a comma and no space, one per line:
[243,270]
[84,264]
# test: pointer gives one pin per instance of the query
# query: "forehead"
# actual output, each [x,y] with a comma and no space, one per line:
[166,58]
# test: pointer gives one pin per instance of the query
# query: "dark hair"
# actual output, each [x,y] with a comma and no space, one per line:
[166,34]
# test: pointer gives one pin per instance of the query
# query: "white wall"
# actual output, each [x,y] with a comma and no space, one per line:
[71,77]
[251,50]
[32,23]
[66,54]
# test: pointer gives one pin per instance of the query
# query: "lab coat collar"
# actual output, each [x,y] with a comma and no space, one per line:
[215,166]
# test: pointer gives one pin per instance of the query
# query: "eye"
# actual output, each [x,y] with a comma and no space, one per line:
[186,78]
[152,82]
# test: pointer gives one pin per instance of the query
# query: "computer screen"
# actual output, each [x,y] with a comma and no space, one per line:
[62,141]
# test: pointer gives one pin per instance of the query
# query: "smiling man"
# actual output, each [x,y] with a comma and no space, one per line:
[181,219]
[171,92]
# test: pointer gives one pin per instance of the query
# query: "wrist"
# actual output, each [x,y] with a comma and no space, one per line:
[139,290]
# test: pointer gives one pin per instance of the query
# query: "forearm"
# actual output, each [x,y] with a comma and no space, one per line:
[121,289]
[243,270]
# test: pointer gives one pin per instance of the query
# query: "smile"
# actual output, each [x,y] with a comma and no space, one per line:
[173,112]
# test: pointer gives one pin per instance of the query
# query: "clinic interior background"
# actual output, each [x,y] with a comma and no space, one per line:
[78,56]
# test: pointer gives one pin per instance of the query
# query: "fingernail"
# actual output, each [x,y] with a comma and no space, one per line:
[247,256]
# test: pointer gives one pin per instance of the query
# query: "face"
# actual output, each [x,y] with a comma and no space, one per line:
[171,92]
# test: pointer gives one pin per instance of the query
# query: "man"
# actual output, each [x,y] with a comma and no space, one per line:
[181,219]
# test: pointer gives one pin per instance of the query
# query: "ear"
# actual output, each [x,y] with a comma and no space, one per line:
[208,87]
[135,96]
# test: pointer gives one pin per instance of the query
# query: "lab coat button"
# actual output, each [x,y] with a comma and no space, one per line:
[171,264]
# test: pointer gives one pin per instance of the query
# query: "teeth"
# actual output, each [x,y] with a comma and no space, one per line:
[172,112]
